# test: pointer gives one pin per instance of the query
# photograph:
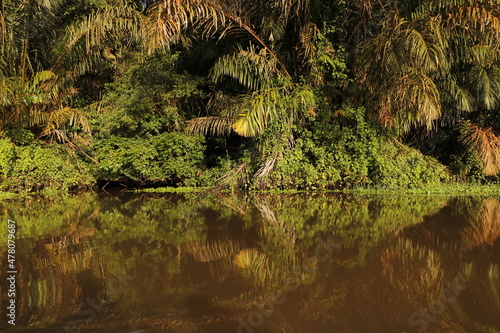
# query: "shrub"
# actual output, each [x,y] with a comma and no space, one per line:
[174,158]
[347,151]
[6,157]
[41,167]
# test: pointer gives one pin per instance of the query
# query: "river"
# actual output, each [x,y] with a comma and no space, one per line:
[214,262]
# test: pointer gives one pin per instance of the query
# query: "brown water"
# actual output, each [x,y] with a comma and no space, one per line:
[253,263]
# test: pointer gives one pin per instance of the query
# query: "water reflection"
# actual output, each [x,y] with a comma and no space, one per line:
[255,263]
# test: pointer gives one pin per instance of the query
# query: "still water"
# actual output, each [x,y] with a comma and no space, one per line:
[140,263]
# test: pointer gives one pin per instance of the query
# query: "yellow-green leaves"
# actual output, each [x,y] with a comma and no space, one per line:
[255,112]
[434,65]
[252,68]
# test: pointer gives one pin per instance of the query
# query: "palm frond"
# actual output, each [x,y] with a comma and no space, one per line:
[9,86]
[204,251]
[254,263]
[111,21]
[210,126]
[57,135]
[3,28]
[267,166]
[478,16]
[482,54]
[264,107]
[288,9]
[251,68]
[221,104]
[412,100]
[56,119]
[167,19]
[273,28]
[426,46]
[403,65]
[253,113]
[486,144]
[486,229]
[43,76]
[308,35]
[485,82]
[457,99]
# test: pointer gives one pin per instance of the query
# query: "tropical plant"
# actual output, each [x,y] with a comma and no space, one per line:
[149,95]
[262,93]
[435,63]
[42,55]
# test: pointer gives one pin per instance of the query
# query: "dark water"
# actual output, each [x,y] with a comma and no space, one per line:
[253,263]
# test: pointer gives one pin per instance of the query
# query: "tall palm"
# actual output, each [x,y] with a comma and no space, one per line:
[435,62]
[41,57]
[268,95]
[271,96]
[256,66]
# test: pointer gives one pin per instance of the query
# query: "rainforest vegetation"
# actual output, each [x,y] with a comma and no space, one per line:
[249,94]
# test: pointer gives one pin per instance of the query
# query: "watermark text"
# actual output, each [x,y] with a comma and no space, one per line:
[11,272]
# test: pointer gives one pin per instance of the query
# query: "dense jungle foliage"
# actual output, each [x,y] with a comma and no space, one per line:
[250,94]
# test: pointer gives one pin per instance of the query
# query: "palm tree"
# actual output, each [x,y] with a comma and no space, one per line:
[434,63]
[267,94]
[257,67]
[41,58]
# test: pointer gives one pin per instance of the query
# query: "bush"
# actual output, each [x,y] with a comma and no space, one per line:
[146,98]
[20,136]
[6,157]
[347,151]
[173,158]
[41,167]
[307,166]
[467,167]
[402,167]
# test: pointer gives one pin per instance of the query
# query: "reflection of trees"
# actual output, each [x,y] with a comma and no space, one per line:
[205,251]
[289,227]
[202,261]
[41,216]
[420,268]
[414,271]
[485,228]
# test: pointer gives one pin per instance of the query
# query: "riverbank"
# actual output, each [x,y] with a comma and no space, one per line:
[454,189]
